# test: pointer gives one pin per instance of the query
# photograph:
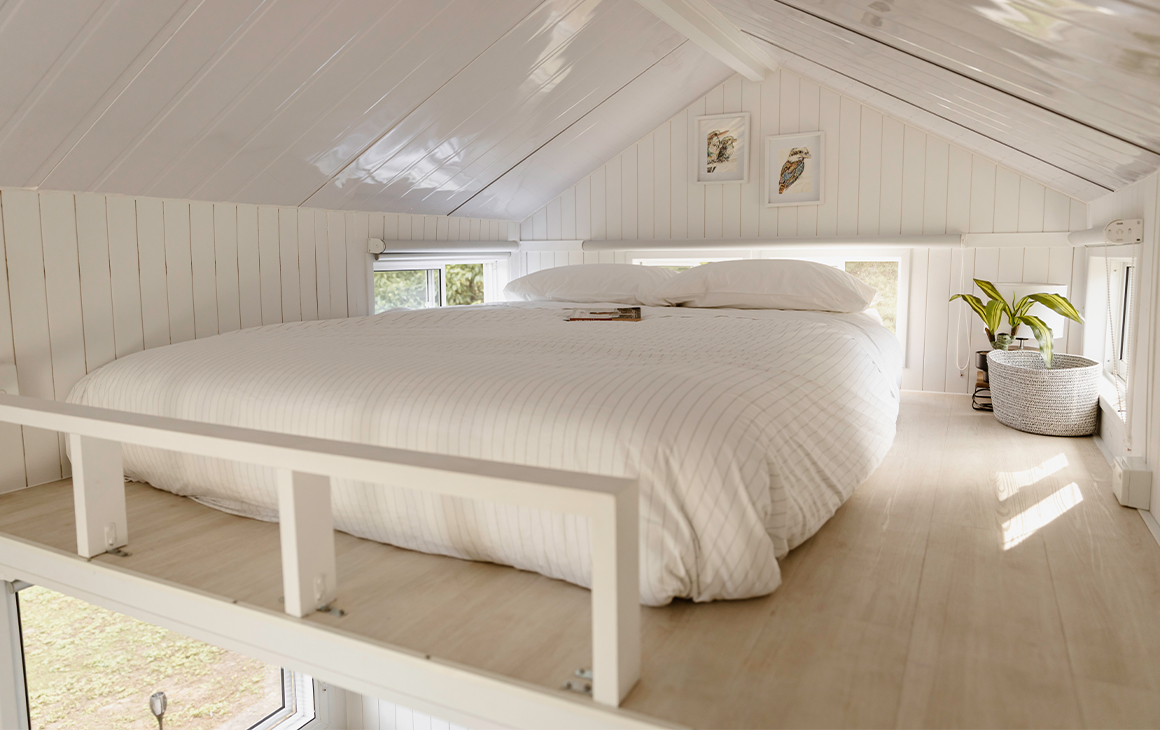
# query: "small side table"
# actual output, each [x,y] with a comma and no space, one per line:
[981,398]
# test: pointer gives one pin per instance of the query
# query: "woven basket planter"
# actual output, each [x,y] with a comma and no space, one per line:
[1062,401]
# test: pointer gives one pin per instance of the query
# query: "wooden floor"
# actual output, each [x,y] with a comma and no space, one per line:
[981,578]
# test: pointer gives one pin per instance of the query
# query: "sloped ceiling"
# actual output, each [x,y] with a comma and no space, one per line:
[1074,84]
[487,108]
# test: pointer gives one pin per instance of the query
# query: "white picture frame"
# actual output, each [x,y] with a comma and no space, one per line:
[807,186]
[707,133]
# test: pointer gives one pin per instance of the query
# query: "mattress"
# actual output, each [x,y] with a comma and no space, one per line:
[746,429]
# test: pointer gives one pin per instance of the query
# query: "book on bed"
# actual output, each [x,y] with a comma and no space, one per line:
[616,314]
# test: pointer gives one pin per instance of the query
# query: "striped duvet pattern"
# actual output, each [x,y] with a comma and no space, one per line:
[747,429]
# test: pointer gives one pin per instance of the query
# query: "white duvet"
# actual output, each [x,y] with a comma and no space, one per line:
[747,429]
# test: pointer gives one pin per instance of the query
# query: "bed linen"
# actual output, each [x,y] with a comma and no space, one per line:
[747,429]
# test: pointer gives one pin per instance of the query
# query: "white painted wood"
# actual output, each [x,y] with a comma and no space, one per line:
[288,262]
[179,271]
[228,265]
[125,272]
[1031,202]
[809,110]
[849,151]
[358,262]
[154,284]
[789,111]
[678,175]
[322,260]
[13,689]
[63,292]
[252,294]
[30,325]
[705,25]
[645,189]
[913,180]
[1006,201]
[958,191]
[269,265]
[204,261]
[308,262]
[99,495]
[869,173]
[830,122]
[96,284]
[934,360]
[982,195]
[336,235]
[443,689]
[912,373]
[609,503]
[12,475]
[306,526]
[934,218]
[890,196]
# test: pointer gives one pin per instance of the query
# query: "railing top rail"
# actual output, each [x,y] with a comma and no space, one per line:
[529,486]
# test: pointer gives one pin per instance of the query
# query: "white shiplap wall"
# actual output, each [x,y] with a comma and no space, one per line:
[91,278]
[368,713]
[882,177]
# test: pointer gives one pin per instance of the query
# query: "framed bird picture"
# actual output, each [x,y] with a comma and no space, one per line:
[794,164]
[721,148]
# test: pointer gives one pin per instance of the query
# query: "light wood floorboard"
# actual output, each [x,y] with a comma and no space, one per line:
[980,578]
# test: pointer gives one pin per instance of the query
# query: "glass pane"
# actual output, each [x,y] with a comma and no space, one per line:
[92,668]
[401,289]
[883,276]
[464,284]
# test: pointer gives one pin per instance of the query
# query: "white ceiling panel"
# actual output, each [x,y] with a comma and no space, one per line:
[551,69]
[600,135]
[1074,83]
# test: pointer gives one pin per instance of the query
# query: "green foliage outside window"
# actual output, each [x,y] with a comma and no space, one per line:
[400,289]
[883,276]
[465,284]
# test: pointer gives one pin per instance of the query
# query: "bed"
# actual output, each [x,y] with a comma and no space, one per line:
[746,428]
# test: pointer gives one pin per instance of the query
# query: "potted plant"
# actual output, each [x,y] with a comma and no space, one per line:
[1038,392]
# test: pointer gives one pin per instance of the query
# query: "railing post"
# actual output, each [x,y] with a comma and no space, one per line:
[615,597]
[98,495]
[309,576]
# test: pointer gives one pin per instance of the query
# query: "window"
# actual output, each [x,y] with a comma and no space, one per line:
[86,666]
[419,282]
[1121,283]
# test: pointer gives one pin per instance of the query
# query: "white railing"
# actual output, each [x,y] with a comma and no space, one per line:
[305,467]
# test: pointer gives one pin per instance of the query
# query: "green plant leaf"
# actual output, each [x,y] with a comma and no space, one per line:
[1023,306]
[974,302]
[1043,334]
[989,289]
[1058,304]
[993,314]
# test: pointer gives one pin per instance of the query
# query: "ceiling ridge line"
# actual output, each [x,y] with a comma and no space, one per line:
[427,98]
[565,129]
[939,116]
[986,84]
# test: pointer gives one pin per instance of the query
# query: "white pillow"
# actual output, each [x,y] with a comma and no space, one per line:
[612,283]
[768,284]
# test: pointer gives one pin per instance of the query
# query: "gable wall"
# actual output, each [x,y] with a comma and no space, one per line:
[882,177]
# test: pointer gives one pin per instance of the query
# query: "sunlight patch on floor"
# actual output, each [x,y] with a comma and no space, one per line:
[1026,523]
[1010,482]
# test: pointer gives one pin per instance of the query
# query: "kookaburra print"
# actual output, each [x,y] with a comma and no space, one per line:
[719,149]
[794,165]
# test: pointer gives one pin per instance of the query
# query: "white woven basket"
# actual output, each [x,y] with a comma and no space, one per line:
[1062,401]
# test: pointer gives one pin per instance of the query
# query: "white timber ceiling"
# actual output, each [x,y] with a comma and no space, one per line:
[1070,87]
[486,108]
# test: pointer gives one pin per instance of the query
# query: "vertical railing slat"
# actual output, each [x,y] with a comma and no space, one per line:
[98,495]
[309,576]
[615,597]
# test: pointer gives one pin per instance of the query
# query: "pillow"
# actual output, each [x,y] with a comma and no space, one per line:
[612,283]
[768,284]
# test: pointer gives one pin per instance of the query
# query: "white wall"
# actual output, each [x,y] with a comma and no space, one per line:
[90,278]
[368,713]
[882,177]
[1142,437]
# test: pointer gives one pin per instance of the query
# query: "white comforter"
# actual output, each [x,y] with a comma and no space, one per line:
[747,429]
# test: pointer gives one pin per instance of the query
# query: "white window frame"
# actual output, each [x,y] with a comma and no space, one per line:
[301,708]
[495,272]
[1109,265]
[836,257]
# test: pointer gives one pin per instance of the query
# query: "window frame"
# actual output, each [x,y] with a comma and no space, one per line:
[496,267]
[1109,265]
[300,710]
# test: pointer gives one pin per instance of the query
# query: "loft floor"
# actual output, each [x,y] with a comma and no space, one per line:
[981,578]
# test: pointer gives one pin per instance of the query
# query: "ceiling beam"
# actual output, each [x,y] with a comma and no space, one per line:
[706,26]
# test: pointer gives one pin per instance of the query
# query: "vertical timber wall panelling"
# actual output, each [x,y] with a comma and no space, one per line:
[882,177]
[90,278]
